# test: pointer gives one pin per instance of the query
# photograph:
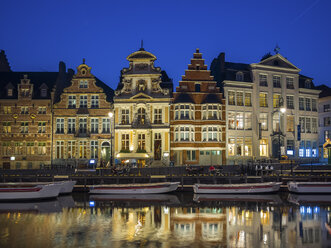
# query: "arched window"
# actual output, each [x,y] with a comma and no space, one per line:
[141,116]
[239,76]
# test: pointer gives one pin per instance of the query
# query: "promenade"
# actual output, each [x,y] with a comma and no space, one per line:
[225,174]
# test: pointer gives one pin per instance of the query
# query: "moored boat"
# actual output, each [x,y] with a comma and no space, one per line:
[309,187]
[242,188]
[66,187]
[21,191]
[148,188]
[300,199]
[148,198]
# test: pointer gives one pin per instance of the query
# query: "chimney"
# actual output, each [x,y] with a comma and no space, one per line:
[4,65]
[62,68]
[222,62]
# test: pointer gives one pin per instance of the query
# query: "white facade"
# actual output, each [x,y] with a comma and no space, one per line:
[255,130]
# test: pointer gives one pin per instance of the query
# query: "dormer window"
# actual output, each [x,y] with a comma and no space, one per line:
[308,84]
[10,92]
[239,76]
[25,92]
[43,92]
[83,84]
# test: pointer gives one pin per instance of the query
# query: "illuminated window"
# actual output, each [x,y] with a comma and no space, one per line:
[248,121]
[41,148]
[264,121]
[248,99]
[125,113]
[71,149]
[232,120]
[94,149]
[263,147]
[239,121]
[263,99]
[158,116]
[30,148]
[6,148]
[59,149]
[240,100]
[231,98]
[6,127]
[275,101]
[290,123]
[141,116]
[24,127]
[141,142]
[302,148]
[231,147]
[82,149]
[326,135]
[248,147]
[290,147]
[240,146]
[7,110]
[125,142]
[308,148]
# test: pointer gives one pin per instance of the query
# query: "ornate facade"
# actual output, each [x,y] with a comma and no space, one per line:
[198,118]
[81,121]
[26,116]
[141,107]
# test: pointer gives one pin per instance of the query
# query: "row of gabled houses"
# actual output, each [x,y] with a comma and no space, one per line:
[227,115]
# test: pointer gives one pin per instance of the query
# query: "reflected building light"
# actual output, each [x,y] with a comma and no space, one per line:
[166,210]
[92,203]
[316,210]
[302,210]
[309,211]
[265,238]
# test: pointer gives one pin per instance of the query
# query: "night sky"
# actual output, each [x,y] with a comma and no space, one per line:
[36,35]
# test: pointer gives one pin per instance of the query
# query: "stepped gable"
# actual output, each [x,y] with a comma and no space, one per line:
[197,70]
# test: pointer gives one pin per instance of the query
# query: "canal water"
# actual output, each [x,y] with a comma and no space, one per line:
[169,220]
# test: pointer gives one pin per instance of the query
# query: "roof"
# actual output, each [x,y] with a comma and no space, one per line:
[231,70]
[36,78]
[183,98]
[325,90]
[211,98]
[141,54]
[108,91]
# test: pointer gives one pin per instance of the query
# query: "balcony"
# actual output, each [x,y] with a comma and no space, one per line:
[82,133]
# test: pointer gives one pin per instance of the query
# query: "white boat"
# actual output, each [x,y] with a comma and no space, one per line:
[242,188]
[66,187]
[148,188]
[21,191]
[309,187]
[268,198]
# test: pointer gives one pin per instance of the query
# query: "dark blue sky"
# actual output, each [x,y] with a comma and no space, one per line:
[36,35]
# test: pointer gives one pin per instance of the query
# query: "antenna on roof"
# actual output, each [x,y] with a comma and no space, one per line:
[142,46]
[276,50]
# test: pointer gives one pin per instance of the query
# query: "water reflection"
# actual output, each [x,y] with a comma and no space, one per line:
[168,221]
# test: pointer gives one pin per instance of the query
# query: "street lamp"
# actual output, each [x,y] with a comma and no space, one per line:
[281,110]
[110,114]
